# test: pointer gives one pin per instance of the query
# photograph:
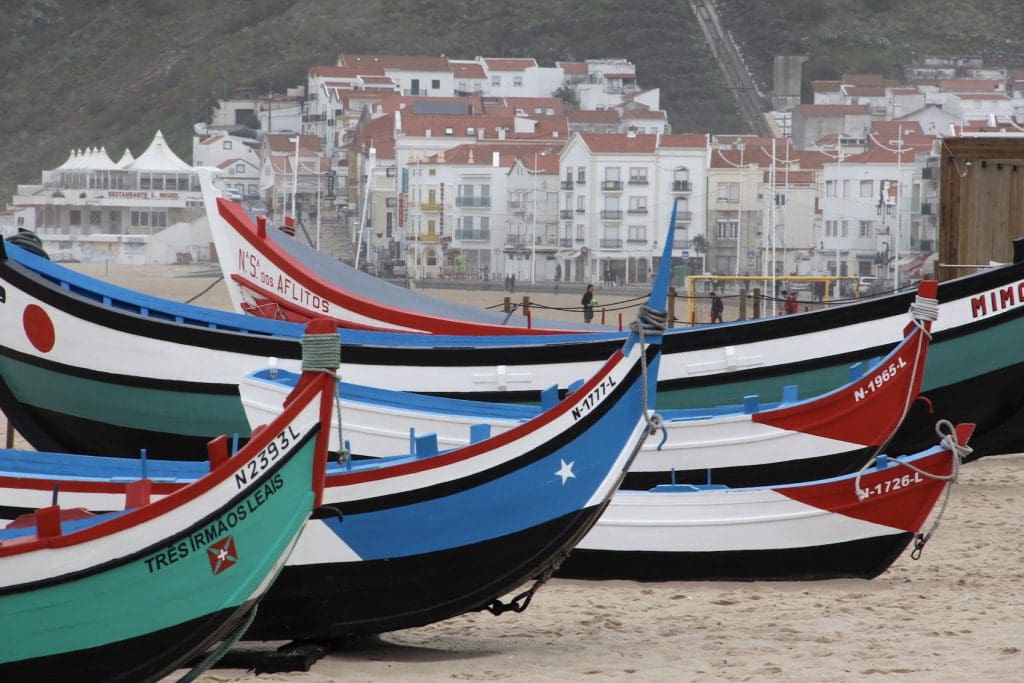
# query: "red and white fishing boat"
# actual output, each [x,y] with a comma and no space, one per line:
[850,526]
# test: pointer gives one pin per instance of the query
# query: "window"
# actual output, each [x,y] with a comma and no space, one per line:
[637,233]
[435,84]
[95,217]
[252,189]
[517,81]
[846,228]
[846,188]
[581,175]
[449,131]
[580,232]
[865,228]
[239,168]
[471,131]
[485,222]
[830,188]
[865,188]
[638,205]
[611,174]
[638,176]
[75,216]
[728,228]
[496,80]
[431,227]
[467,222]
[729,192]
[227,144]
[581,204]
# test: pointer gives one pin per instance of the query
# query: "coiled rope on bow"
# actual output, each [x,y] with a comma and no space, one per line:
[322,353]
[923,308]
[948,439]
[648,321]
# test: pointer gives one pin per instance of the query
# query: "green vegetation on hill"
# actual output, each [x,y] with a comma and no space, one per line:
[112,72]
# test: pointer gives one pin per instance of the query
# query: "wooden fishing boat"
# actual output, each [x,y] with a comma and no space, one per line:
[265,280]
[398,551]
[855,526]
[134,593]
[738,445]
[75,357]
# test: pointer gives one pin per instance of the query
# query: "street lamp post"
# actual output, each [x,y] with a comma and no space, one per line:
[739,214]
[295,173]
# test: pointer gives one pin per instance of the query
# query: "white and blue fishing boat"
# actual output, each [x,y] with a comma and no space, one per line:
[745,444]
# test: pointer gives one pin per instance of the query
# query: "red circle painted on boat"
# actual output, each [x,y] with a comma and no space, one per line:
[38,328]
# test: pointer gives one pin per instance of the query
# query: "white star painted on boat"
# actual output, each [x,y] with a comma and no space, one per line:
[222,555]
[566,472]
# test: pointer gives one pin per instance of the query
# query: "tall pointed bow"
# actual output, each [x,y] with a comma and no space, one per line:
[868,411]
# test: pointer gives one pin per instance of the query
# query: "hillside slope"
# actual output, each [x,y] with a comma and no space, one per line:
[112,72]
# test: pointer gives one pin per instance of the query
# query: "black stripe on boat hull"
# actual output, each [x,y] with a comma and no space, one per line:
[324,601]
[783,472]
[152,655]
[862,559]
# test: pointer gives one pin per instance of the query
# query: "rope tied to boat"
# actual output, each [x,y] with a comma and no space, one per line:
[959,452]
[648,321]
[922,309]
[322,353]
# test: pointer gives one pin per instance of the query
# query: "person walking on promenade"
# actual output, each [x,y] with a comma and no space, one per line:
[588,304]
[716,308]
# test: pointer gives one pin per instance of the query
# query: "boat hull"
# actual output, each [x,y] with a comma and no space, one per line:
[403,592]
[858,559]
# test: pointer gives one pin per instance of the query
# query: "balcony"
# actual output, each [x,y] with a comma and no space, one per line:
[581,180]
[567,184]
[480,235]
[609,215]
[611,185]
[515,239]
[611,243]
[680,185]
[429,238]
[580,210]
[638,211]
[565,213]
[517,207]
[473,202]
[430,207]
[638,180]
[565,243]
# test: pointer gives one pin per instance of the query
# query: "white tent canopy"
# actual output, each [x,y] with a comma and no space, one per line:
[158,158]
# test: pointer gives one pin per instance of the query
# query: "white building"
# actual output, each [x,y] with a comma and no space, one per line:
[237,158]
[617,194]
[144,210]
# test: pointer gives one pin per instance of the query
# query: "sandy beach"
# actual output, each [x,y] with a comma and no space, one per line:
[955,614]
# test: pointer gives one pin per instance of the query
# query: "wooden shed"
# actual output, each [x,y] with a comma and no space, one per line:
[982,201]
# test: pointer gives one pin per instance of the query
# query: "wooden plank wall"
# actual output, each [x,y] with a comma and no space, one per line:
[982,201]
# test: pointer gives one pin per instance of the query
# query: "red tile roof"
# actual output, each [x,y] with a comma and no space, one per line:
[468,70]
[620,143]
[573,68]
[832,109]
[969,85]
[680,140]
[405,62]
[594,116]
[493,64]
